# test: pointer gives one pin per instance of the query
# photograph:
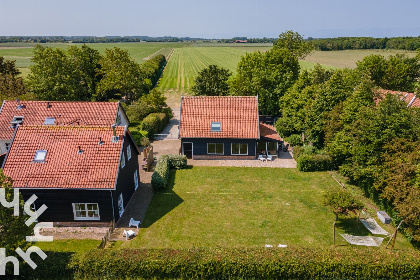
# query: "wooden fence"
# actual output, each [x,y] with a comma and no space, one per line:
[148,157]
[107,236]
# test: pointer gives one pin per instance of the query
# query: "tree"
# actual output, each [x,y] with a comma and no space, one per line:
[121,76]
[342,203]
[58,74]
[212,80]
[153,102]
[267,75]
[398,72]
[11,86]
[13,230]
[295,43]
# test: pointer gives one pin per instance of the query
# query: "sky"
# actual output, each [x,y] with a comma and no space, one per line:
[210,18]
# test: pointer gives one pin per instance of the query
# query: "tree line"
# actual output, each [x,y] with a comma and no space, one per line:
[81,74]
[363,43]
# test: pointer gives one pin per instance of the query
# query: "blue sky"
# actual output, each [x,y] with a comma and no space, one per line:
[210,19]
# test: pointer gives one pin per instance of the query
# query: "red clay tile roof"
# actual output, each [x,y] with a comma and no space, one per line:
[269,132]
[95,168]
[238,116]
[35,112]
[410,98]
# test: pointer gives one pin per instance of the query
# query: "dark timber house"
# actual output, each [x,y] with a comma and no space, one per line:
[83,174]
[225,127]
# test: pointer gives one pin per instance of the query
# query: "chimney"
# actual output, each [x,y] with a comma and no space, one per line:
[114,135]
[80,151]
[100,141]
[19,106]
[48,105]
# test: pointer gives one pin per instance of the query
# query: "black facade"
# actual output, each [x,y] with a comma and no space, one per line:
[125,180]
[60,201]
[200,146]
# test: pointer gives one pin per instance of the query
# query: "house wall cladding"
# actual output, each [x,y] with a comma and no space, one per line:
[200,147]
[125,181]
[59,203]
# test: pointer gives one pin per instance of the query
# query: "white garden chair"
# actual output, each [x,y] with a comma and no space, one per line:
[134,223]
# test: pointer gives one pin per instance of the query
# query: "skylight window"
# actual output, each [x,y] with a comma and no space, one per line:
[49,121]
[16,121]
[40,155]
[216,126]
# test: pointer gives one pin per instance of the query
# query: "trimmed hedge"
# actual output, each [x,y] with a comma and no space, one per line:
[251,263]
[307,162]
[152,68]
[154,123]
[161,174]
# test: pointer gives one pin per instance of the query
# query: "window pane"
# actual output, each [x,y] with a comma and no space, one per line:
[272,148]
[77,207]
[261,148]
[82,206]
[211,148]
[244,149]
[216,126]
[219,148]
[235,148]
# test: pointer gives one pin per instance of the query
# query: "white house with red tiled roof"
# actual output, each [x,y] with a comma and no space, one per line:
[15,113]
[83,174]
[225,127]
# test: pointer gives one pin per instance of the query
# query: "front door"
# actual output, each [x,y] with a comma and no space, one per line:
[188,149]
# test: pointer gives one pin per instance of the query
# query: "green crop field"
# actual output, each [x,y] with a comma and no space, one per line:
[189,58]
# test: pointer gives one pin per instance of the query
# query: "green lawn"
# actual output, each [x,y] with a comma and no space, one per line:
[242,207]
[69,245]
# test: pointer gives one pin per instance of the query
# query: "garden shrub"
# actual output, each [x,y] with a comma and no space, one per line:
[307,162]
[248,263]
[161,174]
[177,161]
[154,123]
[305,149]
[294,140]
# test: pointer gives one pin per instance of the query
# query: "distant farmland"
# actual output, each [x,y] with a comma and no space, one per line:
[190,58]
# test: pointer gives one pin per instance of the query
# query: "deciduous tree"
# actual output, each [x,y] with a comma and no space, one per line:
[212,80]
[11,86]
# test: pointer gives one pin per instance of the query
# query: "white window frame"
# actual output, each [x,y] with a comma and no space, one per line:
[136,180]
[215,149]
[128,152]
[14,123]
[49,119]
[86,210]
[122,160]
[39,152]
[216,126]
[240,154]
[120,204]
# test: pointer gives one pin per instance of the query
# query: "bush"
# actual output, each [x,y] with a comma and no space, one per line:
[248,263]
[308,163]
[154,123]
[177,161]
[140,137]
[294,140]
[161,174]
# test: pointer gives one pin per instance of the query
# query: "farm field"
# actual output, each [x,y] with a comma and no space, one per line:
[348,58]
[243,207]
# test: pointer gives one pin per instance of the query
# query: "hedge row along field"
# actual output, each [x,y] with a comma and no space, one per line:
[264,263]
